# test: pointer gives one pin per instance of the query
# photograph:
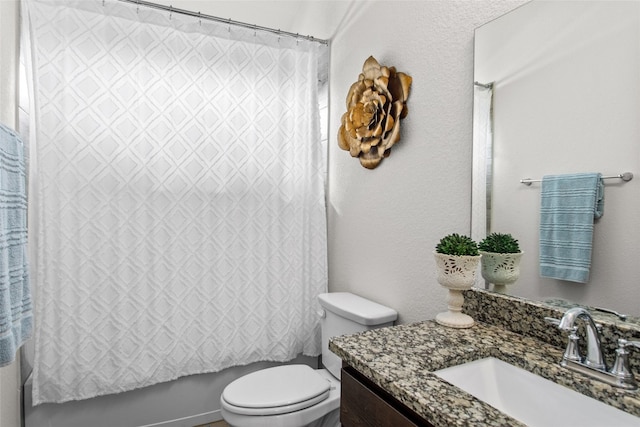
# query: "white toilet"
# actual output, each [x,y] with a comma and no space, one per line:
[297,395]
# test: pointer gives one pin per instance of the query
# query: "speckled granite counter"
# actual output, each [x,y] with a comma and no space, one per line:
[401,360]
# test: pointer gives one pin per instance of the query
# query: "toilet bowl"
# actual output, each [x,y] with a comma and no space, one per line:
[297,395]
[284,396]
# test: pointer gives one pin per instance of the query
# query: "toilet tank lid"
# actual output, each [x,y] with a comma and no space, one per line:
[356,308]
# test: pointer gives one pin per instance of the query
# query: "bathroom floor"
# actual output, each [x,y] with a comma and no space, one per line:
[216,424]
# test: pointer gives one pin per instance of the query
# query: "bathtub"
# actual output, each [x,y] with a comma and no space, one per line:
[185,402]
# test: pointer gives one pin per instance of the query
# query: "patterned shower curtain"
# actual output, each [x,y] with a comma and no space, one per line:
[177,195]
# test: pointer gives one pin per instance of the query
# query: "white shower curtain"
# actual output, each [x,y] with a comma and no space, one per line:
[482,159]
[178,196]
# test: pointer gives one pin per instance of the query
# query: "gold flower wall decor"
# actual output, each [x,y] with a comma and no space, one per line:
[375,105]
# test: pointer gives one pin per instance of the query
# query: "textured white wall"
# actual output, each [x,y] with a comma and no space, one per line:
[384,223]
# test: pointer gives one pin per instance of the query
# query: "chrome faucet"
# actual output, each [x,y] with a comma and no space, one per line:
[593,363]
[595,358]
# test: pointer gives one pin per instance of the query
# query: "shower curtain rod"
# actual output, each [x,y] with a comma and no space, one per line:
[172,9]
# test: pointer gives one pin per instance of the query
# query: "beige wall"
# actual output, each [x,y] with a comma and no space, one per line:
[9,375]
[384,223]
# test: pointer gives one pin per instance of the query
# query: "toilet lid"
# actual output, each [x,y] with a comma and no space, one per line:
[281,389]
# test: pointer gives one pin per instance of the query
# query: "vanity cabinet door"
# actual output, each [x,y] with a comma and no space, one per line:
[363,403]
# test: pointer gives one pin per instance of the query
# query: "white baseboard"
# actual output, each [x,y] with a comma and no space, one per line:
[191,421]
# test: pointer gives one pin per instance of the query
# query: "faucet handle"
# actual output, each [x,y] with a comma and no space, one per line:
[620,316]
[571,352]
[622,343]
[620,368]
[636,344]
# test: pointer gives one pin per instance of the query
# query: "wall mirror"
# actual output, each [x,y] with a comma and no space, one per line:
[558,91]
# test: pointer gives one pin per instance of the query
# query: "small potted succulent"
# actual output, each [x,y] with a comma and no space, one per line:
[457,258]
[500,260]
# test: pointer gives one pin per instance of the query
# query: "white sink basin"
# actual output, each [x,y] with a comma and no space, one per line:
[530,398]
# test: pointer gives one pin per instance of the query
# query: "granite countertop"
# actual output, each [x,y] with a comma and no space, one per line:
[401,360]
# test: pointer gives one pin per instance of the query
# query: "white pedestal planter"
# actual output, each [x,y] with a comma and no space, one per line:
[500,269]
[456,273]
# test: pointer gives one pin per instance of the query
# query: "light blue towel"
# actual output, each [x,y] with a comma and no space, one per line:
[16,318]
[568,206]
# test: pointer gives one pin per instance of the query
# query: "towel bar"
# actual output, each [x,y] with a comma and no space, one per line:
[625,176]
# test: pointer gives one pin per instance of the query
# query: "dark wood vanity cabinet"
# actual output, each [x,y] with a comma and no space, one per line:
[363,403]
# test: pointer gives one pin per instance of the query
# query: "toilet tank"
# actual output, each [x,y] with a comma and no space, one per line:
[345,313]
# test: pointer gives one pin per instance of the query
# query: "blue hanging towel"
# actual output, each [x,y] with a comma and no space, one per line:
[16,318]
[568,206]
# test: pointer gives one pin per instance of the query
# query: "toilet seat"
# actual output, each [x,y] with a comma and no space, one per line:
[277,390]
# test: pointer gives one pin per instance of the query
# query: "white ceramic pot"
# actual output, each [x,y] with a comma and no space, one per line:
[500,269]
[456,273]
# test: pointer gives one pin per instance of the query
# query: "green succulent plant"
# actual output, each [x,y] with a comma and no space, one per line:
[499,243]
[455,244]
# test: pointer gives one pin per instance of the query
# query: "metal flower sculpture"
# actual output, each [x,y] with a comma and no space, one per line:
[375,105]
